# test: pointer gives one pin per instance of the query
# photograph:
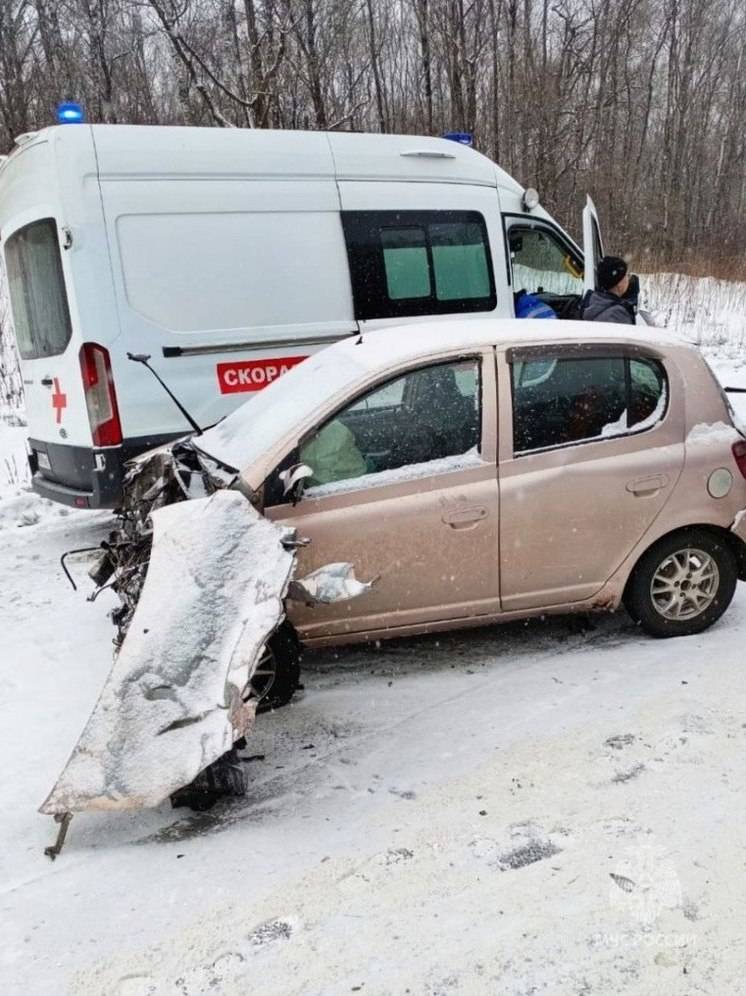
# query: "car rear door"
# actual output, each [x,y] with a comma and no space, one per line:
[591,448]
[407,493]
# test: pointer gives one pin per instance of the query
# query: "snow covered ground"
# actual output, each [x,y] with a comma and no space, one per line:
[525,809]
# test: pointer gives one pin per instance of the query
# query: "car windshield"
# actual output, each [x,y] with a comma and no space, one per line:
[244,435]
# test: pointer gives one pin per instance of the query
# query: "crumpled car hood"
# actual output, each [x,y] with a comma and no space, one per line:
[172,703]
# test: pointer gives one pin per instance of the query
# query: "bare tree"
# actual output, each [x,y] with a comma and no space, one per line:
[641,102]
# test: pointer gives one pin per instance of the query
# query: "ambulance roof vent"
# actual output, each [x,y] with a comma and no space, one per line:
[428,154]
[26,137]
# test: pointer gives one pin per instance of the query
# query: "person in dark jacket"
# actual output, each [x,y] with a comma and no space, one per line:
[612,302]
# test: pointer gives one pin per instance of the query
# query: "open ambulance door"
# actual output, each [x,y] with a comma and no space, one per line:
[593,248]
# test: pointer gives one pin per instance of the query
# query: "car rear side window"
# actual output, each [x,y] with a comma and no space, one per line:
[561,401]
[408,263]
[648,393]
[38,298]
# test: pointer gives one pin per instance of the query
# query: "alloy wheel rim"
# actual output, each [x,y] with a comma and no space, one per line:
[685,584]
[262,678]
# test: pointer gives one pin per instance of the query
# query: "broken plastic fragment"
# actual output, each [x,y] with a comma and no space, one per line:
[172,703]
[330,583]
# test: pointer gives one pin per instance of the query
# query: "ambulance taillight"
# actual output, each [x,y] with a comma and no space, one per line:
[100,396]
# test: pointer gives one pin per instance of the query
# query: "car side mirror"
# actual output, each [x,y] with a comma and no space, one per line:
[293,480]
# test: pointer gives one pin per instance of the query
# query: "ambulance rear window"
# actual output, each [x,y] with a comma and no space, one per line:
[37,290]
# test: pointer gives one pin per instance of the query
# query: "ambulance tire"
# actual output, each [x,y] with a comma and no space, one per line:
[277,676]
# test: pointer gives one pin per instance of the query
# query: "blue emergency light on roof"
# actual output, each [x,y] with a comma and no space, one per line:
[68,112]
[462,137]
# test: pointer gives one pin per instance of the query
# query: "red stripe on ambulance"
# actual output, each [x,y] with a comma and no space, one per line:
[252,375]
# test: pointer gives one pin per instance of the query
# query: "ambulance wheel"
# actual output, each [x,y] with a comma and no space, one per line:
[277,675]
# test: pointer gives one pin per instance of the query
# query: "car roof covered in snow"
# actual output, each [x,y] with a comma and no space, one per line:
[395,345]
[286,405]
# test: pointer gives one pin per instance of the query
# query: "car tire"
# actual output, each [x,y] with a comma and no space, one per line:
[682,584]
[277,676]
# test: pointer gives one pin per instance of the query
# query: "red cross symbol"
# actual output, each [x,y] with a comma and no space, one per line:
[59,400]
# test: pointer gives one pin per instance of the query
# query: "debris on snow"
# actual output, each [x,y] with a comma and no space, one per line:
[627,776]
[624,883]
[619,741]
[272,930]
[527,854]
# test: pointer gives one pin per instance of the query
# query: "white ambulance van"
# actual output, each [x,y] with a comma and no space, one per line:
[230,255]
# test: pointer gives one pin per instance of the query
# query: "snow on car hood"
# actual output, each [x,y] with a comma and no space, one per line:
[253,428]
[172,703]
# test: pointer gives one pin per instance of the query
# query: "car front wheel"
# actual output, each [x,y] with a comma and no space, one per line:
[277,674]
[683,584]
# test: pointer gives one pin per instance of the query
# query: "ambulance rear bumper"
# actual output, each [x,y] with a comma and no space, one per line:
[70,496]
[85,477]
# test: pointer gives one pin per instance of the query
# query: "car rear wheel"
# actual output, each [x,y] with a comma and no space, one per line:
[683,584]
[277,675]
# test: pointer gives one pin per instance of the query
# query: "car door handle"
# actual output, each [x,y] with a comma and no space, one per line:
[647,485]
[464,516]
[47,381]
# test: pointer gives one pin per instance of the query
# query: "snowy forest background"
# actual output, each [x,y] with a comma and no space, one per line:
[640,102]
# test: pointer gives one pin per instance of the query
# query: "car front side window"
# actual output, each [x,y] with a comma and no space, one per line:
[424,422]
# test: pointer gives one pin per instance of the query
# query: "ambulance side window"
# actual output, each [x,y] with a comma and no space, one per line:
[408,263]
[38,298]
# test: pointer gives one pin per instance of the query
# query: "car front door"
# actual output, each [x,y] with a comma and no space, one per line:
[591,448]
[404,488]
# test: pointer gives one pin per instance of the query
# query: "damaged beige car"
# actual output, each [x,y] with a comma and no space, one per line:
[446,475]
